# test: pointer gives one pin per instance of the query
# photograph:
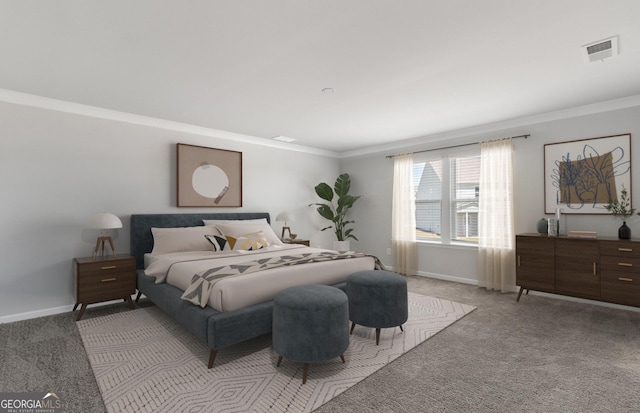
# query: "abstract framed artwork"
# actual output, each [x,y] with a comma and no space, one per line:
[208,177]
[583,176]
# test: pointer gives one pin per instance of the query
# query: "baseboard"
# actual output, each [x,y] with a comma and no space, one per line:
[49,311]
[447,278]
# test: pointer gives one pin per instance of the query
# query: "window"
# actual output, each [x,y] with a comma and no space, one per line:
[447,192]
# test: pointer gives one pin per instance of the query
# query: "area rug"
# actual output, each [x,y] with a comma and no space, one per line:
[143,361]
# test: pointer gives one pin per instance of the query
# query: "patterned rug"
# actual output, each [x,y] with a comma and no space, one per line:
[143,361]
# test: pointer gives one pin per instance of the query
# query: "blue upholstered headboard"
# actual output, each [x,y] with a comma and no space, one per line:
[141,224]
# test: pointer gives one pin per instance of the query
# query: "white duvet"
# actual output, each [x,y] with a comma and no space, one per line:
[237,292]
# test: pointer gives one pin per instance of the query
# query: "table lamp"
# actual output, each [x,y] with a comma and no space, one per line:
[104,221]
[286,216]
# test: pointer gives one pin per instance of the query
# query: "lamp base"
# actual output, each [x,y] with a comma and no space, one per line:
[283,230]
[100,243]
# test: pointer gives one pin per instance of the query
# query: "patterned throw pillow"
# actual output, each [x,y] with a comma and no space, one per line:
[218,242]
[248,242]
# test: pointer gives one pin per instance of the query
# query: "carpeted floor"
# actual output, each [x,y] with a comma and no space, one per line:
[145,362]
[539,355]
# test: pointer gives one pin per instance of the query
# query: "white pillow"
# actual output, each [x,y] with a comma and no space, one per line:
[166,240]
[242,227]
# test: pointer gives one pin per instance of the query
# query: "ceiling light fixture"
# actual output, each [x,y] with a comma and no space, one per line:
[284,139]
[328,90]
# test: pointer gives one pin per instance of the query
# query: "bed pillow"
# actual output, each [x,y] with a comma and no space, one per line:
[166,240]
[238,228]
[218,242]
[247,242]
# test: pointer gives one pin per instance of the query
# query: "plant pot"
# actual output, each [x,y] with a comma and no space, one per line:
[341,245]
[624,232]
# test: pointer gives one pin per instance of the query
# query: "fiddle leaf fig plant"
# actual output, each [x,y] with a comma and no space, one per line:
[339,203]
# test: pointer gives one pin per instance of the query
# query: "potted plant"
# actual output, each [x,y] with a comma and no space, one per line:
[336,211]
[622,208]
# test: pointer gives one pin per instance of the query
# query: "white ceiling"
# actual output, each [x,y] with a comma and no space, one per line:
[400,69]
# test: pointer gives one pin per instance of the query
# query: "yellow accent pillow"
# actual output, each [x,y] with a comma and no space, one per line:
[248,242]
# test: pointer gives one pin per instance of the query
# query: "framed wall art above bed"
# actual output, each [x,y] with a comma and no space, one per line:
[208,177]
[583,176]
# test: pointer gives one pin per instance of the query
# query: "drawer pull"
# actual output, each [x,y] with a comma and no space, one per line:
[108,279]
[625,249]
[594,269]
[625,279]
[625,264]
[110,267]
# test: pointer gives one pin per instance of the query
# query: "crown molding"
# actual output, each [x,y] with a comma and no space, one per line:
[26,99]
[590,109]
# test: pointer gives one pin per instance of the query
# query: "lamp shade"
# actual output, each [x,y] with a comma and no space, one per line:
[285,216]
[104,220]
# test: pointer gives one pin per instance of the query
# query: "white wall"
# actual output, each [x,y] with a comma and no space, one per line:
[58,169]
[372,175]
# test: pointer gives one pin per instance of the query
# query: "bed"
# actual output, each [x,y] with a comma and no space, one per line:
[227,321]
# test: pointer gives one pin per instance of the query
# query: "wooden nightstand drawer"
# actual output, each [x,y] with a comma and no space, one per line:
[101,287]
[103,279]
[106,267]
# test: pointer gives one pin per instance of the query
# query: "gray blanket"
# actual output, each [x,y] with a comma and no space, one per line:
[203,282]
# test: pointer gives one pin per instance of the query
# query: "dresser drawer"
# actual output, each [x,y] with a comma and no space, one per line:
[97,288]
[87,269]
[618,263]
[620,287]
[620,249]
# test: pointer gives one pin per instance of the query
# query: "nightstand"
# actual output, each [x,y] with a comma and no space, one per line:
[296,241]
[103,279]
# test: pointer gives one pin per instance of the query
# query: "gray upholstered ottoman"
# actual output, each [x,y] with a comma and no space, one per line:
[377,299]
[310,324]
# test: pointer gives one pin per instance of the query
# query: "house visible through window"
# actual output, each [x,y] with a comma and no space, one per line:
[447,192]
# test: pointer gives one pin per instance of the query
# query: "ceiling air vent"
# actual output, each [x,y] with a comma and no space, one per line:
[601,50]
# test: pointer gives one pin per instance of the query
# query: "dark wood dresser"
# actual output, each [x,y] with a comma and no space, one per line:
[603,269]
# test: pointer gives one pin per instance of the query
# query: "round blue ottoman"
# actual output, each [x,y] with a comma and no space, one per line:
[377,299]
[310,324]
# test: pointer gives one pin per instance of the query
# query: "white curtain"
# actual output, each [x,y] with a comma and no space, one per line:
[403,221]
[496,253]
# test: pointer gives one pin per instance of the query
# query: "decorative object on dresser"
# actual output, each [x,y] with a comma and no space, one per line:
[622,208]
[104,279]
[104,222]
[602,269]
[541,226]
[208,177]
[583,176]
[286,216]
[337,213]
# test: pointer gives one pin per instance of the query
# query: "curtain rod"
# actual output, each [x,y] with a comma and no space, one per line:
[455,146]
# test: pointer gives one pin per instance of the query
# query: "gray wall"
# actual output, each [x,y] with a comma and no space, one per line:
[373,174]
[58,169]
